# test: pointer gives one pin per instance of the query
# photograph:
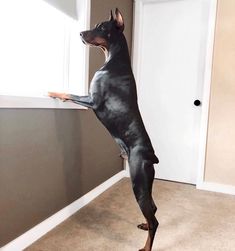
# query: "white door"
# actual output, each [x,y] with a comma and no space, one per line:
[170,77]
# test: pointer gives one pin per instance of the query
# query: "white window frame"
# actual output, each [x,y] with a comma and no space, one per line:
[83,12]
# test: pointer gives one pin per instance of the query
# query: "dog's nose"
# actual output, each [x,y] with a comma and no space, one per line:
[81,34]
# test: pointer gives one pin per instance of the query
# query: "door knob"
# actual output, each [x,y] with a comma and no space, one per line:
[197,102]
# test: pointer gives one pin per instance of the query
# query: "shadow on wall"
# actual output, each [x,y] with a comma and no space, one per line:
[66,6]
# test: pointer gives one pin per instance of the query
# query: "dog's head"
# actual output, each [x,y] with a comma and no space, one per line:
[105,33]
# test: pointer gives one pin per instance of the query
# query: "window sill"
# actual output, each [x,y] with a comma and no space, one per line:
[36,102]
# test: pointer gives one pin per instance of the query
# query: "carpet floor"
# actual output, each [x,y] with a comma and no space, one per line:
[190,220]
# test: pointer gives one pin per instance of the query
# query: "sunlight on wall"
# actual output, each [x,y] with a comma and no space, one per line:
[38,49]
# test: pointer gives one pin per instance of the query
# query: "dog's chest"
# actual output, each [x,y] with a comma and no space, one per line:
[106,84]
[112,94]
[99,83]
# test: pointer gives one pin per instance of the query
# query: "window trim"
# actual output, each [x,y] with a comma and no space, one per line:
[10,101]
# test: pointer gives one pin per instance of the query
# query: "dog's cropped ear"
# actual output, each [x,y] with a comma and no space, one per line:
[119,20]
[111,16]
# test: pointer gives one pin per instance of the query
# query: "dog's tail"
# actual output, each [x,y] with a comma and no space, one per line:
[152,157]
[155,159]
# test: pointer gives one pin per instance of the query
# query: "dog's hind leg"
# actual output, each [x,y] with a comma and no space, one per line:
[142,175]
[144,226]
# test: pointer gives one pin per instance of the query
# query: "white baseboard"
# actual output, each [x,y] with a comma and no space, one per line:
[42,228]
[216,187]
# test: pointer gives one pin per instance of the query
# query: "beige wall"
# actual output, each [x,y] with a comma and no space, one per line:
[220,157]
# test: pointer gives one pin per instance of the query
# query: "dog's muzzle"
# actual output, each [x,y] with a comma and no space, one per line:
[84,37]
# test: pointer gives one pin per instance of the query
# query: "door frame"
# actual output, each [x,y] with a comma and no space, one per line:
[136,60]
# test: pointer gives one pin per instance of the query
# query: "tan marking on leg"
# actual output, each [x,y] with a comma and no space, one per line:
[124,156]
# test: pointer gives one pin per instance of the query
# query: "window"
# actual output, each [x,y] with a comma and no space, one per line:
[40,51]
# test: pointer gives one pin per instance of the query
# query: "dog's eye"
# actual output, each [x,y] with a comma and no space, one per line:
[102,28]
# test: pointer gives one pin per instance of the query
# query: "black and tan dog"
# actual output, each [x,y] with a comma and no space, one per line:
[113,98]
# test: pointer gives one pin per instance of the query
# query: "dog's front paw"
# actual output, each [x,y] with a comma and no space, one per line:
[62,96]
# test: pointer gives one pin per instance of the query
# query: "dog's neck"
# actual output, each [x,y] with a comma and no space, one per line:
[117,52]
